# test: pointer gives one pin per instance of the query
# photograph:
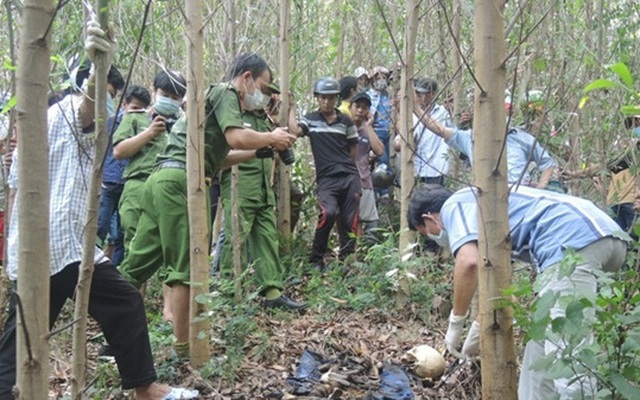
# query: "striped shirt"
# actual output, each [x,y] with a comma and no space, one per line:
[548,222]
[331,143]
[70,157]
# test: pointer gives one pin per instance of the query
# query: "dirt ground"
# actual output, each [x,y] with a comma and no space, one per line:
[355,347]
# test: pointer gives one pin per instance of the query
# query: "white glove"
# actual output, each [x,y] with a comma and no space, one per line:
[471,346]
[454,334]
[98,40]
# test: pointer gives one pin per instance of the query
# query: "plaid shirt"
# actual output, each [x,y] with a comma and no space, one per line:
[70,158]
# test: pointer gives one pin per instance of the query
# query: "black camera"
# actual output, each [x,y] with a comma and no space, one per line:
[287,156]
[168,124]
[168,121]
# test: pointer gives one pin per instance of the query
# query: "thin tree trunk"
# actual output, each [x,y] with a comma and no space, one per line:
[235,236]
[83,288]
[284,171]
[230,27]
[33,199]
[497,350]
[342,16]
[197,189]
[406,122]
[458,88]
[4,281]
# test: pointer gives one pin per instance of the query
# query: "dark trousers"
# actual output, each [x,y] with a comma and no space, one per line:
[109,219]
[118,308]
[337,196]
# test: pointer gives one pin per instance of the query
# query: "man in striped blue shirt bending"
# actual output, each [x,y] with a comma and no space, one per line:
[548,224]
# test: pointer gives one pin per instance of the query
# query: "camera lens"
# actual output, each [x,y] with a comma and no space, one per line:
[287,156]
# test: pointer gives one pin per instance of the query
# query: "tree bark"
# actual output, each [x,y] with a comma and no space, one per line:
[235,236]
[83,288]
[197,189]
[4,280]
[458,88]
[339,63]
[229,38]
[496,339]
[284,171]
[406,123]
[33,199]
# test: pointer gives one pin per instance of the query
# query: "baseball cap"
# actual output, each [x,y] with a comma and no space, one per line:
[425,85]
[379,70]
[361,71]
[361,96]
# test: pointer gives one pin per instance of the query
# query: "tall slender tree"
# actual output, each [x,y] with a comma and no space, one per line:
[83,288]
[406,120]
[496,339]
[284,171]
[196,185]
[33,200]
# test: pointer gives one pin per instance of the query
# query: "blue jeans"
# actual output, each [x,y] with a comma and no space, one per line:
[109,220]
[383,135]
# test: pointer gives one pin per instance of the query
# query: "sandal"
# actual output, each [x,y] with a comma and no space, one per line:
[181,394]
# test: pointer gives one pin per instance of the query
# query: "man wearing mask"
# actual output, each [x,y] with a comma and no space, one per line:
[140,137]
[551,225]
[162,236]
[114,303]
[258,232]
[363,79]
[381,111]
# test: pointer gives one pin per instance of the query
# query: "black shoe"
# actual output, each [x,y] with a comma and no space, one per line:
[286,303]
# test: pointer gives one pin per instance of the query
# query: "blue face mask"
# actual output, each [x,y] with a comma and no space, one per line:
[111,106]
[166,106]
[442,238]
[636,131]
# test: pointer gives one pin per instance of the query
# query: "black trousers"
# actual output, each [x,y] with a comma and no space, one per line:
[115,304]
[337,196]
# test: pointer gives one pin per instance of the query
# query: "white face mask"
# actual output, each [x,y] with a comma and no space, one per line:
[380,84]
[256,101]
[442,238]
[111,105]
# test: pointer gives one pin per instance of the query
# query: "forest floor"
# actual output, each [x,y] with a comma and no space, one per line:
[363,317]
[256,351]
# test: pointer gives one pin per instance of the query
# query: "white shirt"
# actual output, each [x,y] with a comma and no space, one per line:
[70,157]
[431,158]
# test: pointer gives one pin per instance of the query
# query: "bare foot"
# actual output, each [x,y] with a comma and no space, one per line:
[155,391]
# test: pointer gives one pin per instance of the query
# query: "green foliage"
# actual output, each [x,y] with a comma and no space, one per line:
[232,322]
[381,280]
[105,383]
[621,80]
[612,318]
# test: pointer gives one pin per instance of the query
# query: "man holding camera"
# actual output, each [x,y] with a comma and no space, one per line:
[162,238]
[140,137]
[256,203]
[333,139]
